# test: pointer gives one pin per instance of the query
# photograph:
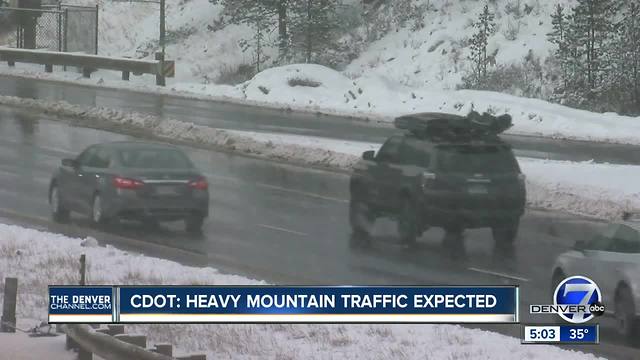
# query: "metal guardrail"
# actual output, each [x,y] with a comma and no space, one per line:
[116,346]
[108,347]
[89,63]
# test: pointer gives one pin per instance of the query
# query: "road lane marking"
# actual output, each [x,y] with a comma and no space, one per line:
[317,196]
[279,188]
[282,229]
[495,273]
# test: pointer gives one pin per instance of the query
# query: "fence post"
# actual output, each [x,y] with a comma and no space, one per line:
[84,354]
[160,80]
[83,269]
[164,349]
[8,319]
[65,22]
[97,28]
[139,340]
[59,26]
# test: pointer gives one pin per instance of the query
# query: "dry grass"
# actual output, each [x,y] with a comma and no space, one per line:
[303,82]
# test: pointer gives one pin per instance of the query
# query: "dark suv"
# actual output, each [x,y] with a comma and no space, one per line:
[448,171]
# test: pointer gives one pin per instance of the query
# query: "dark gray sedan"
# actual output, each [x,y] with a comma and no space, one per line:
[130,180]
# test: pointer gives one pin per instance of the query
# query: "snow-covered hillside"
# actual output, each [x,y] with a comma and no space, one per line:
[434,56]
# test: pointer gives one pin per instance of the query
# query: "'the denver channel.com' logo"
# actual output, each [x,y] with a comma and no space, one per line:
[576,299]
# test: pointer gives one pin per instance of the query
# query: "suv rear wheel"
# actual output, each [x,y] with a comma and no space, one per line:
[505,235]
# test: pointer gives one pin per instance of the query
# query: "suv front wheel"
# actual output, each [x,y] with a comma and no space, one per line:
[408,222]
[361,222]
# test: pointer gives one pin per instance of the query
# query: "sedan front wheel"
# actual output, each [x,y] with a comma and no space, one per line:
[59,213]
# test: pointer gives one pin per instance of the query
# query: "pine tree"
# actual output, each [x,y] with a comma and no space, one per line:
[313,23]
[485,27]
[627,50]
[260,14]
[593,28]
[558,37]
[256,14]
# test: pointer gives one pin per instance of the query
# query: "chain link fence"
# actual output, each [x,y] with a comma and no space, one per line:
[61,27]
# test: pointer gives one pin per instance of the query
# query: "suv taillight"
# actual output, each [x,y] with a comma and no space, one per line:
[124,183]
[199,184]
[428,179]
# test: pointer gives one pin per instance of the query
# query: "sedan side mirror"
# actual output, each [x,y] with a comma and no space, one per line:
[70,163]
[368,155]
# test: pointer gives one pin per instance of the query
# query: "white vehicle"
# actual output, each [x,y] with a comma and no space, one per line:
[612,260]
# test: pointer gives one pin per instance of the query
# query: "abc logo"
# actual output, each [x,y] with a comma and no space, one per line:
[579,291]
[597,309]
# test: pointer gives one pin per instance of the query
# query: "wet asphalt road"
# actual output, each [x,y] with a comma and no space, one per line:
[237,117]
[288,224]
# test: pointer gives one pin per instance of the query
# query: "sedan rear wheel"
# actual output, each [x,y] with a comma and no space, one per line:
[97,211]
[194,223]
[58,212]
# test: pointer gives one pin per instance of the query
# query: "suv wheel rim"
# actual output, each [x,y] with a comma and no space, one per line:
[97,209]
[55,201]
[405,222]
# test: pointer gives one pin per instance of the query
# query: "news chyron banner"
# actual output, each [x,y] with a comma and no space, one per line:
[283,304]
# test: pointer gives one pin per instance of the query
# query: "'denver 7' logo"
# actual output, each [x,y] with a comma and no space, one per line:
[580,297]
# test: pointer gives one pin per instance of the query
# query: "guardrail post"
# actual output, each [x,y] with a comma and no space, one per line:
[70,343]
[48,68]
[83,269]
[84,354]
[125,75]
[160,80]
[192,357]
[8,319]
[164,349]
[139,340]
[115,329]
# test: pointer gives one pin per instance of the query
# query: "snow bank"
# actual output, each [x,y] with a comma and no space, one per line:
[376,96]
[314,88]
[180,131]
[585,188]
[39,259]
[22,347]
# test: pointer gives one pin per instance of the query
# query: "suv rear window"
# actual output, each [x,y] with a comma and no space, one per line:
[477,159]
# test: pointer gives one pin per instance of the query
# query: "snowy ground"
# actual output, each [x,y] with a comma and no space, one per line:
[39,259]
[599,190]
[20,346]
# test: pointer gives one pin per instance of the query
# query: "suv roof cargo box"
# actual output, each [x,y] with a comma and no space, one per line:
[453,126]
